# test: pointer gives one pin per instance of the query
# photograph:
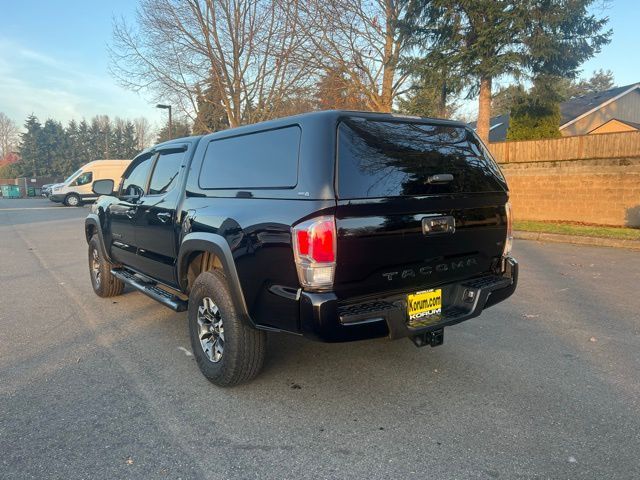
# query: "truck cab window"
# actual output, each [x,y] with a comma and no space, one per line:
[84,178]
[135,179]
[165,173]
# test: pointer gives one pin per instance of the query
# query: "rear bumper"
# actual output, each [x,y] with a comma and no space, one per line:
[326,319]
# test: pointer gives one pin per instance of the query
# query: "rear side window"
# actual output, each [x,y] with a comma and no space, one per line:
[393,159]
[257,160]
[165,173]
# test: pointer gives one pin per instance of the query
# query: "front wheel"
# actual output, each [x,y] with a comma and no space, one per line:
[103,282]
[72,200]
[227,350]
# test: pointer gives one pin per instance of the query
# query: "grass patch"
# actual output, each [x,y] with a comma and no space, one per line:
[578,229]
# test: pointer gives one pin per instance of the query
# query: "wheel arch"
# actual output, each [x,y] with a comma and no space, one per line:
[215,252]
[93,227]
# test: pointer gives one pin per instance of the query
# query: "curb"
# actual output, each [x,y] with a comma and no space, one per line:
[577,240]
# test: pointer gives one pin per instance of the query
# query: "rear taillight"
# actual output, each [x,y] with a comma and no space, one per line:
[314,249]
[508,243]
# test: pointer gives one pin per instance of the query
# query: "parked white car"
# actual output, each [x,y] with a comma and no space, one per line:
[77,189]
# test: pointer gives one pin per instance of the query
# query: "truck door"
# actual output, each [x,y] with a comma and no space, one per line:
[156,225]
[122,214]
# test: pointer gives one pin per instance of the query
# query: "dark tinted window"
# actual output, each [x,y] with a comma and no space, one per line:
[258,160]
[165,173]
[389,159]
[136,180]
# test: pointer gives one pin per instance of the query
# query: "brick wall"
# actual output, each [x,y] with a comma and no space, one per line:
[601,191]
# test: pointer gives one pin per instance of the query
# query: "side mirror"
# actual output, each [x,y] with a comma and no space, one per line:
[103,187]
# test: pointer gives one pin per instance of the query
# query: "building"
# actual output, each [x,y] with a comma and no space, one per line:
[614,110]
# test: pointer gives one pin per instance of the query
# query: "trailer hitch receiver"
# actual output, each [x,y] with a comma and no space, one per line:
[432,338]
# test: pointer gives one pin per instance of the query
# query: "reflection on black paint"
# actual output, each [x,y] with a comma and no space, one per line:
[387,159]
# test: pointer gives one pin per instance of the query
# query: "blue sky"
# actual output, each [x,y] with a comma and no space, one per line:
[54,61]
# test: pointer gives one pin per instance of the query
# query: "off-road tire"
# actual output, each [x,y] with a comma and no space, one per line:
[244,346]
[104,284]
[72,200]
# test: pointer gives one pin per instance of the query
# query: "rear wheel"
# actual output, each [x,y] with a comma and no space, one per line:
[72,200]
[103,282]
[228,351]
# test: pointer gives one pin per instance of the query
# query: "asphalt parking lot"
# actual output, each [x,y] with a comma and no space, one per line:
[545,385]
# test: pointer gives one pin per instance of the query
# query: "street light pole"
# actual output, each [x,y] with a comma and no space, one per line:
[168,107]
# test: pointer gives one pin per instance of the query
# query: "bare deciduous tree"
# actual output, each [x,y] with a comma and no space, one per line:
[335,90]
[363,39]
[248,49]
[143,133]
[8,135]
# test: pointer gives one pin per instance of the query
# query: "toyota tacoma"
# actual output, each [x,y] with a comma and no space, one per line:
[337,226]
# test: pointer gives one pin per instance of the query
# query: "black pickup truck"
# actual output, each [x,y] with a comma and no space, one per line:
[335,225]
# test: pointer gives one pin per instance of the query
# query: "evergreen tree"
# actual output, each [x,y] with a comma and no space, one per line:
[180,127]
[117,141]
[435,82]
[487,39]
[98,140]
[211,116]
[424,99]
[123,142]
[53,149]
[432,89]
[504,99]
[535,114]
[84,145]
[130,142]
[73,143]
[599,81]
[30,150]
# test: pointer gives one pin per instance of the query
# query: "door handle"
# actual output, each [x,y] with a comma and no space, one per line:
[163,216]
[130,213]
[440,178]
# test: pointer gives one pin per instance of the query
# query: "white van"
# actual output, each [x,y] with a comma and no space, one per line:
[78,187]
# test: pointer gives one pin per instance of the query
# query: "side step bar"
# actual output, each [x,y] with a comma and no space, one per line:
[150,289]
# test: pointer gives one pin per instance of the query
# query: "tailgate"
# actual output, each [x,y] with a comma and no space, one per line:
[383,247]
[388,198]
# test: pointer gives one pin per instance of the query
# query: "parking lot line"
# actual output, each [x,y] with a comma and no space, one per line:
[31,208]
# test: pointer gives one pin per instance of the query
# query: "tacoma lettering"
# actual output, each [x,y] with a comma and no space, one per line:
[428,270]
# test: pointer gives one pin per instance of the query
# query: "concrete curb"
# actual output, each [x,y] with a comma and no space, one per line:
[577,240]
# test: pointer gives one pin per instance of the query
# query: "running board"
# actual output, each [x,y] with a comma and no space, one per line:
[150,289]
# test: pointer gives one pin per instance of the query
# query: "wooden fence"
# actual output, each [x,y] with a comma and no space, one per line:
[607,145]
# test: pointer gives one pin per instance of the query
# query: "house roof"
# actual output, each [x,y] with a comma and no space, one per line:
[631,124]
[497,128]
[579,107]
[570,111]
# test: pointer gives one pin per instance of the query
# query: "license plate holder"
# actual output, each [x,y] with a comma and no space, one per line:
[424,306]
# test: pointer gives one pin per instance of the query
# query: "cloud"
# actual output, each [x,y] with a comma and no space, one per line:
[50,87]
